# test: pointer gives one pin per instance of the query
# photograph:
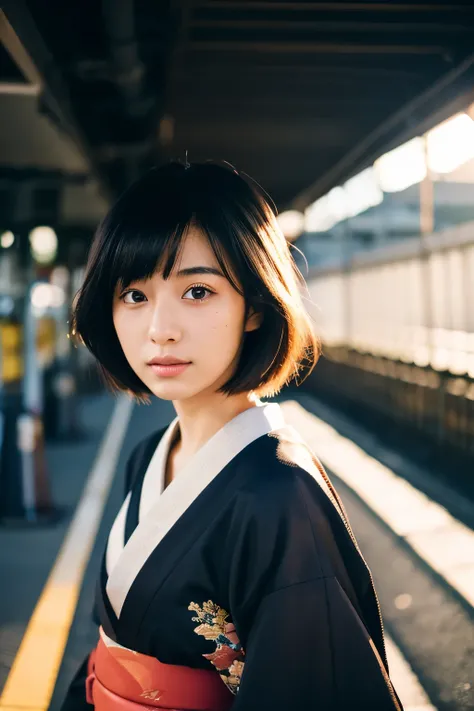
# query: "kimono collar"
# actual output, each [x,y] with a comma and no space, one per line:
[237,433]
[169,504]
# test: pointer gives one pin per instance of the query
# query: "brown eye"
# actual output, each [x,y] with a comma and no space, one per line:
[133,293]
[198,293]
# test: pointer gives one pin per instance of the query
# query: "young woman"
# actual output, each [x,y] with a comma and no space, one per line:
[231,577]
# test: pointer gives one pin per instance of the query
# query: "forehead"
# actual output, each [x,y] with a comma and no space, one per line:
[195,250]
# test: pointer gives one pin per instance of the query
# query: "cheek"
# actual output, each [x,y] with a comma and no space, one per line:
[223,329]
[125,329]
[226,321]
[118,322]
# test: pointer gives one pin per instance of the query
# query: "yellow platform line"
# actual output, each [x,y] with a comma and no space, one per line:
[32,678]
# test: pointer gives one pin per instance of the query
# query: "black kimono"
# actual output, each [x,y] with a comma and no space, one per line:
[246,563]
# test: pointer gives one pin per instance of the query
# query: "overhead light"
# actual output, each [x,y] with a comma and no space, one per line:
[7,239]
[58,296]
[318,217]
[332,208]
[404,166]
[45,296]
[337,204]
[44,244]
[356,195]
[362,192]
[41,296]
[291,224]
[326,212]
[60,277]
[450,144]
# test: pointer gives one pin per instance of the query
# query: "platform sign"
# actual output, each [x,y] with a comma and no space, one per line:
[11,335]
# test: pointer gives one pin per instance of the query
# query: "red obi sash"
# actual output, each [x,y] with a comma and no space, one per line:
[122,680]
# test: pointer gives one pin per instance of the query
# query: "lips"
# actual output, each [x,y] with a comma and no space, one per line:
[169,369]
[167,360]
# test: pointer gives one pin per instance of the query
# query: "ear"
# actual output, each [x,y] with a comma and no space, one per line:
[254,320]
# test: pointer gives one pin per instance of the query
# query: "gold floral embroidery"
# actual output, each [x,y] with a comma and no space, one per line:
[229,655]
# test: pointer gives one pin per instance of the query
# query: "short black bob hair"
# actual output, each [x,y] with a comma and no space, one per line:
[144,232]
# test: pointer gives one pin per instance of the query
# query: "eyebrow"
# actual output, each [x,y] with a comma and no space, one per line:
[190,271]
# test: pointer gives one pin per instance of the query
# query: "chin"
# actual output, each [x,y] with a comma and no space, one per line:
[165,396]
[168,390]
[180,388]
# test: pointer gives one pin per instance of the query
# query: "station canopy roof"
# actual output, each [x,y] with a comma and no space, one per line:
[300,95]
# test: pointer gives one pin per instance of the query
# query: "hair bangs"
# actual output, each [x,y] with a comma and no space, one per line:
[152,232]
[140,254]
[226,257]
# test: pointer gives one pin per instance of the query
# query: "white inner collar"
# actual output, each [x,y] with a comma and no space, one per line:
[263,418]
[163,507]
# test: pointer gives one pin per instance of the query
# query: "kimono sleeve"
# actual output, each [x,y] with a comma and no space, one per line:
[308,649]
[75,699]
[305,644]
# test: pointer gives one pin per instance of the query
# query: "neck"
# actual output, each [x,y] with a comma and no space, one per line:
[199,421]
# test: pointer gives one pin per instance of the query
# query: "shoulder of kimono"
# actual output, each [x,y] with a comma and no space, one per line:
[282,467]
[280,479]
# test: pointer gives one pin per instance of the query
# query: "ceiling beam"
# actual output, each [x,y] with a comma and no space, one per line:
[311,72]
[18,53]
[389,7]
[202,103]
[128,71]
[338,26]
[315,47]
[54,91]
[16,88]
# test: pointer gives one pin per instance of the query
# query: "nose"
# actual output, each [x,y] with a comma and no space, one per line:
[164,326]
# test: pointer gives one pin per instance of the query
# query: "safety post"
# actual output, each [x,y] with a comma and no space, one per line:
[26,442]
[25,492]
[30,425]
[61,418]
[65,384]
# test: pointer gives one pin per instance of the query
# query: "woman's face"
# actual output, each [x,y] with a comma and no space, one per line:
[197,318]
